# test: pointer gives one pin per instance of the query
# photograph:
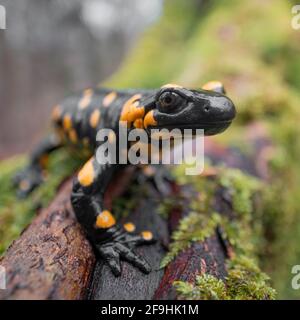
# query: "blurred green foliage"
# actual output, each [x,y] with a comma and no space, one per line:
[15,214]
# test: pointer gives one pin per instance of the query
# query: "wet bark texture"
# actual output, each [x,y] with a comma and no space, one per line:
[52,258]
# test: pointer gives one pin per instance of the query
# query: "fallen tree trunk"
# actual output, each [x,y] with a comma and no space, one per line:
[53,260]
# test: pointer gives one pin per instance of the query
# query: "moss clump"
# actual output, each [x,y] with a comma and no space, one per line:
[241,188]
[15,213]
[244,233]
[207,287]
[202,219]
[244,282]
[194,227]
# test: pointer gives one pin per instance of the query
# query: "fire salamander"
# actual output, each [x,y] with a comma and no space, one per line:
[78,118]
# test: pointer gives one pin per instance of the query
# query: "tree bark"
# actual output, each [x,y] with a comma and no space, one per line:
[52,258]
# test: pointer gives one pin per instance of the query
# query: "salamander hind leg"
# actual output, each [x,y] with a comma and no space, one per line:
[31,176]
[112,241]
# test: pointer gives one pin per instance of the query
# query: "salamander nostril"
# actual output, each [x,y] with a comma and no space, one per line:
[206,108]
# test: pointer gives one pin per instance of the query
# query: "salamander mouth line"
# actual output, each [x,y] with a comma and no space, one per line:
[199,125]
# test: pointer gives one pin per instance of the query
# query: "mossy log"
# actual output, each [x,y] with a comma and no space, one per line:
[206,256]
[53,260]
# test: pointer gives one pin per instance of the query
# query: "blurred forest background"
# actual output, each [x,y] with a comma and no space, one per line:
[51,48]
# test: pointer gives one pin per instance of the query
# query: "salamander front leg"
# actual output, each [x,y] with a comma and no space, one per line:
[112,241]
[121,246]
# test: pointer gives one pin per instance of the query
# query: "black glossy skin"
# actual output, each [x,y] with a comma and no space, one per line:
[171,107]
[198,109]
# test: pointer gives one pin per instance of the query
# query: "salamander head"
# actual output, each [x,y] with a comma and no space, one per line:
[178,107]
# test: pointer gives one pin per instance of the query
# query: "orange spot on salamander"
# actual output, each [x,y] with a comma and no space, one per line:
[109,99]
[94,119]
[86,174]
[136,111]
[139,124]
[149,119]
[147,235]
[171,85]
[129,227]
[86,99]
[67,122]
[212,85]
[130,110]
[105,220]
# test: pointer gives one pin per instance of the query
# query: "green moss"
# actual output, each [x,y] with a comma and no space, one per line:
[16,214]
[202,220]
[244,282]
[194,227]
[207,287]
[241,188]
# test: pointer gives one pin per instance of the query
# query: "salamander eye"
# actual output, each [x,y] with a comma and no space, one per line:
[169,100]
